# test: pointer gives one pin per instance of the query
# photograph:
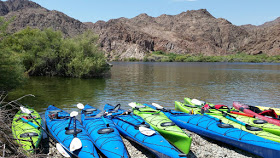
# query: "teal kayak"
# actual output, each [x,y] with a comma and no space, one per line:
[58,120]
[103,132]
[129,126]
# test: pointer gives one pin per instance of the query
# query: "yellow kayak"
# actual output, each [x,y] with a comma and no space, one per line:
[277,110]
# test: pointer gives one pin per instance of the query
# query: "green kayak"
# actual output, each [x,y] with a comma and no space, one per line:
[268,127]
[171,132]
[26,131]
[187,108]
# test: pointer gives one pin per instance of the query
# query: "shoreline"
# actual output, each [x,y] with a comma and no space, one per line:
[201,147]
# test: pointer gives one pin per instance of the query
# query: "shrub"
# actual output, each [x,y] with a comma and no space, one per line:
[48,53]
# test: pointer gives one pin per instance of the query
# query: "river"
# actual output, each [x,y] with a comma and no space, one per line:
[163,83]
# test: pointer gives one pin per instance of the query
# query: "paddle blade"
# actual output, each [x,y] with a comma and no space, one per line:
[61,150]
[75,144]
[25,110]
[197,102]
[73,113]
[157,106]
[80,106]
[146,131]
[132,104]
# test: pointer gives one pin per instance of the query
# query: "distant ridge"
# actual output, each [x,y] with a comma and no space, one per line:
[28,13]
[190,32]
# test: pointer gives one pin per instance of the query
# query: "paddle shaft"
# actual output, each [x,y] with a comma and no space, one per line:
[30,123]
[107,125]
[125,121]
[234,119]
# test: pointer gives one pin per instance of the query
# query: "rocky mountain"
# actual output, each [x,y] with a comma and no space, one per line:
[191,32]
[27,13]
[264,38]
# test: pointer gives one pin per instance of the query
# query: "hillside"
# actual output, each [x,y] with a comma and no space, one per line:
[27,13]
[190,32]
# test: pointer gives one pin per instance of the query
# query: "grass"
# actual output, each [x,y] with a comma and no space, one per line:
[159,56]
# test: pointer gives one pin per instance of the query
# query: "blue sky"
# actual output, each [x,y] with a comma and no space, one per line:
[238,12]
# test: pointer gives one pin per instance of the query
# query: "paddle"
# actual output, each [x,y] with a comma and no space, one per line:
[60,147]
[232,118]
[76,143]
[81,107]
[167,110]
[144,130]
[30,123]
[199,103]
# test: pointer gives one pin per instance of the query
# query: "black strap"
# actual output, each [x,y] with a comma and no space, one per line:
[223,125]
[31,134]
[105,130]
[259,121]
[167,124]
[71,131]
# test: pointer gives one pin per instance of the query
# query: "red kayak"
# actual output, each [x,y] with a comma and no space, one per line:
[243,108]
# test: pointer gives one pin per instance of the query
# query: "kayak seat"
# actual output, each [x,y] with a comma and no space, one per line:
[182,155]
[71,131]
[105,130]
[222,125]
[259,121]
[255,109]
[58,114]
[166,124]
[31,134]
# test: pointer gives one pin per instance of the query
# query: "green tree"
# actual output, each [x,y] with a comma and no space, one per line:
[48,53]
[11,70]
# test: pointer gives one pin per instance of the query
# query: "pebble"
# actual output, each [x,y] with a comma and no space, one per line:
[201,147]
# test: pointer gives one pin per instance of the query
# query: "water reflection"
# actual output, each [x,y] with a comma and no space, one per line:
[220,83]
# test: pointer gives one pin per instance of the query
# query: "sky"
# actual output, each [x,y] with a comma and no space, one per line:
[238,12]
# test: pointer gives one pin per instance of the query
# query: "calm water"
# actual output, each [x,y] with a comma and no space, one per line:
[219,83]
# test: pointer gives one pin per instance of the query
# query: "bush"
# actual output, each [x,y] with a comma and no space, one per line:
[11,68]
[48,53]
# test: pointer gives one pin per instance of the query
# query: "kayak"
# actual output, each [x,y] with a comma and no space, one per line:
[257,131]
[174,134]
[57,120]
[128,125]
[211,127]
[277,110]
[268,127]
[26,131]
[103,132]
[242,107]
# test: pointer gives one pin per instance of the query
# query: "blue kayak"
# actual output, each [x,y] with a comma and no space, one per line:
[57,120]
[127,125]
[103,132]
[208,126]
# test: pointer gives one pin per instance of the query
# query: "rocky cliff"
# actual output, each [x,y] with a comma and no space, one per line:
[191,32]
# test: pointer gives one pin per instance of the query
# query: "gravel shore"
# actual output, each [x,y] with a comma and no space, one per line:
[201,148]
